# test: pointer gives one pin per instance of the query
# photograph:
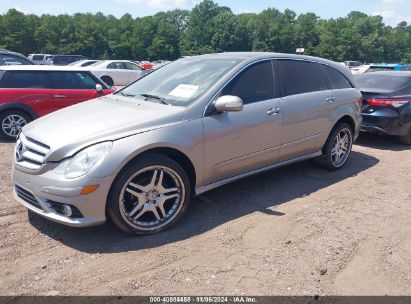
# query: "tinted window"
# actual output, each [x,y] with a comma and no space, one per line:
[14,60]
[298,77]
[322,80]
[336,78]
[370,82]
[37,57]
[131,66]
[25,79]
[116,65]
[73,80]
[256,83]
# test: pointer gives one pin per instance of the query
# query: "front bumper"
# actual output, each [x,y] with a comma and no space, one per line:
[42,193]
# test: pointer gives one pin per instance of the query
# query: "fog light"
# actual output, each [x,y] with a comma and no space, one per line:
[67,210]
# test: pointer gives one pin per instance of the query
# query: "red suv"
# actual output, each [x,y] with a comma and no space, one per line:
[28,92]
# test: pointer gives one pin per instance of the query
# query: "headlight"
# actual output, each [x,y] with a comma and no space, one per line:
[84,161]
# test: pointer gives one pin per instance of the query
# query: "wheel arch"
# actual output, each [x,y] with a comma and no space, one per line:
[20,107]
[178,156]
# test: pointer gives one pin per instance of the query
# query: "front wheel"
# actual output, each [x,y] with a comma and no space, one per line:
[11,123]
[337,149]
[149,196]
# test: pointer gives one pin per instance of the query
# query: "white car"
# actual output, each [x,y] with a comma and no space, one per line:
[361,69]
[83,63]
[117,72]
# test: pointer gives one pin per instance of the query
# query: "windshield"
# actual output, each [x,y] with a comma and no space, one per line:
[382,82]
[181,82]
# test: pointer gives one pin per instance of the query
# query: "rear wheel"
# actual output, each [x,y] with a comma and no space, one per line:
[406,140]
[337,149]
[11,123]
[149,196]
[108,80]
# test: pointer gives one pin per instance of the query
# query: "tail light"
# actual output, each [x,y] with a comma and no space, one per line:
[387,102]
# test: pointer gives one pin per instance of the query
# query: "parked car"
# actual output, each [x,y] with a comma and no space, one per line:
[13,58]
[147,65]
[83,63]
[39,58]
[117,72]
[139,156]
[386,103]
[353,64]
[64,59]
[29,92]
[389,67]
[361,69]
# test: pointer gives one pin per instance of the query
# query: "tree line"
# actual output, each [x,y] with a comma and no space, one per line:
[207,28]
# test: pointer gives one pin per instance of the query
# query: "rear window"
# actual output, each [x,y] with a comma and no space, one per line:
[73,80]
[25,79]
[298,77]
[382,82]
[336,78]
[37,57]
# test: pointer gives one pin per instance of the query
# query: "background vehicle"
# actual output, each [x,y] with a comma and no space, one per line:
[28,92]
[389,67]
[195,124]
[147,65]
[39,58]
[83,63]
[12,58]
[386,103]
[353,64]
[63,59]
[117,72]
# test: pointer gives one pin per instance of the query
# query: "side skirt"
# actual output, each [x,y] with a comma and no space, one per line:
[208,187]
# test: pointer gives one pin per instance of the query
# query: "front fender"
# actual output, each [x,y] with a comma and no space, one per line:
[186,137]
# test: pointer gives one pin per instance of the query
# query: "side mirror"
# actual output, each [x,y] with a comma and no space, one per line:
[99,88]
[229,103]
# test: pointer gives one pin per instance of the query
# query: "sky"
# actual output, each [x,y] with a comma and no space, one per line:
[393,11]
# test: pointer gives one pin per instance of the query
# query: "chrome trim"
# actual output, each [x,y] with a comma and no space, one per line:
[29,153]
[246,174]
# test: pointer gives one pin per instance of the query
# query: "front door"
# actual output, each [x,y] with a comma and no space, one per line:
[237,142]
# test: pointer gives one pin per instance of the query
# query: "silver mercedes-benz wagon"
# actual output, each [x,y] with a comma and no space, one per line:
[138,156]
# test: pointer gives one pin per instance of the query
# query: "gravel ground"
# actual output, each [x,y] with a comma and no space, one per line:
[298,230]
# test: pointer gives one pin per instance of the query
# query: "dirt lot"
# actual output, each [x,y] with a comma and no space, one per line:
[294,231]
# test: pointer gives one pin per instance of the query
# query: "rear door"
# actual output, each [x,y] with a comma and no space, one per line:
[119,73]
[134,71]
[237,142]
[306,108]
[71,87]
[32,88]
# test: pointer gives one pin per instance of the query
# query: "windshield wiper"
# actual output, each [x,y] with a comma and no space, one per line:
[161,99]
[125,94]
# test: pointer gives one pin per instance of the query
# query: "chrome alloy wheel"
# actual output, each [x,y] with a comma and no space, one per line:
[151,198]
[341,147]
[12,125]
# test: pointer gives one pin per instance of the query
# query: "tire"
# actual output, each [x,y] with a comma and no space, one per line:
[108,80]
[333,156]
[405,140]
[138,203]
[11,122]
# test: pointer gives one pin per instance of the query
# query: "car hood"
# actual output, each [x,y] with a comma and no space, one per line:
[106,118]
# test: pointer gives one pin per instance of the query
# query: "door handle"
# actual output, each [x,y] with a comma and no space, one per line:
[274,111]
[330,99]
[60,96]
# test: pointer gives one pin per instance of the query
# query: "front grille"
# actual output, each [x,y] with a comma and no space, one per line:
[30,153]
[27,196]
